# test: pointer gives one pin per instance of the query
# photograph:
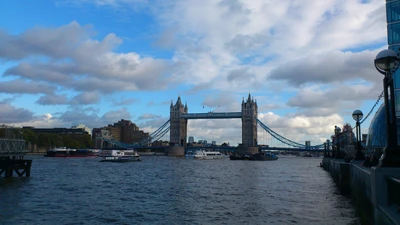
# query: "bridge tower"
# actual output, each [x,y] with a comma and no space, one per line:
[178,125]
[249,122]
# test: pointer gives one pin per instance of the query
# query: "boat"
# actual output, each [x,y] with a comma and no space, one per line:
[239,157]
[119,156]
[72,153]
[307,154]
[203,154]
[190,154]
[263,156]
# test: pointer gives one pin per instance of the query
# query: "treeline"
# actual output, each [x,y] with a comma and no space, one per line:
[49,140]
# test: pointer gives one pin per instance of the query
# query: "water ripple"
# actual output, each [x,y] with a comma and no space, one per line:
[165,190]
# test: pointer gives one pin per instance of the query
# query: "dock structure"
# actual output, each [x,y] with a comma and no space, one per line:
[12,152]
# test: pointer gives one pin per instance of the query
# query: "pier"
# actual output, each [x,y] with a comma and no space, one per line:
[12,152]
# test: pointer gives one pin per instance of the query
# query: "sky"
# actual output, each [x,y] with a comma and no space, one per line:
[308,64]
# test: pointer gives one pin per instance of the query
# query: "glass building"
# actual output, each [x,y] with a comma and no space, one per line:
[377,133]
[393,33]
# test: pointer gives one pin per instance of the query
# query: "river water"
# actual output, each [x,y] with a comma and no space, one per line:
[168,190]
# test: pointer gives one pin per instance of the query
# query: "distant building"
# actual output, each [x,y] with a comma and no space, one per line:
[57,130]
[308,144]
[84,127]
[214,143]
[191,139]
[123,131]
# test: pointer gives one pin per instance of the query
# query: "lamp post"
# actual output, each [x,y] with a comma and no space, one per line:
[337,131]
[387,62]
[357,116]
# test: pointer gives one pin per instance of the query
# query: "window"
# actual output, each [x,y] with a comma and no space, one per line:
[393,33]
[393,12]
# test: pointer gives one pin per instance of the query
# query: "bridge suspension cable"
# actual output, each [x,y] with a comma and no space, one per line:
[155,136]
[373,107]
[280,137]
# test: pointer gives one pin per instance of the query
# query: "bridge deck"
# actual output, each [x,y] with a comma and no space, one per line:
[212,115]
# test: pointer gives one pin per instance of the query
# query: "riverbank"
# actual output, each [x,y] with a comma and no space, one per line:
[375,190]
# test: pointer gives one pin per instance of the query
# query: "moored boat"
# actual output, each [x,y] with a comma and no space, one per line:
[263,156]
[203,154]
[119,156]
[73,153]
[236,156]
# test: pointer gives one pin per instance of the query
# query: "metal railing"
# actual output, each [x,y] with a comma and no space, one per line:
[12,147]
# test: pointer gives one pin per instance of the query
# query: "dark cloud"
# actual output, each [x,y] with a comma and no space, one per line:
[116,115]
[56,73]
[85,98]
[328,68]
[26,87]
[240,76]
[52,99]
[10,114]
[148,116]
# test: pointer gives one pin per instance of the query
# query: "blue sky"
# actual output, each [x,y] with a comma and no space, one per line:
[309,65]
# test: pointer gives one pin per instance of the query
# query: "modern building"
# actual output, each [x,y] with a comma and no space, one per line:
[377,131]
[191,140]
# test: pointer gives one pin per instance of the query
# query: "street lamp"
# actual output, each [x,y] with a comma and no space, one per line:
[387,62]
[357,116]
[337,131]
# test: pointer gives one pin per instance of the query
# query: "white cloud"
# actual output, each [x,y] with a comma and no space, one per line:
[309,62]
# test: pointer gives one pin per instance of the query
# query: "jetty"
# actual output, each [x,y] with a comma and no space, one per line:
[12,152]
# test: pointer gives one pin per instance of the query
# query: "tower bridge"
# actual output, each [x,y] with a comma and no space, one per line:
[179,116]
[176,126]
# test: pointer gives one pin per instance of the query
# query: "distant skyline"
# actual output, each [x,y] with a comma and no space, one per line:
[309,64]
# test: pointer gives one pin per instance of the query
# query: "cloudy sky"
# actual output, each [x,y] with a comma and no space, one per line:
[308,64]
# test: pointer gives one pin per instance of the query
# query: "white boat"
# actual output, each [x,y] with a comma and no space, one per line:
[119,156]
[203,154]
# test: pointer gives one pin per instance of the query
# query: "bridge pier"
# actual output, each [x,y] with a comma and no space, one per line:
[177,151]
[247,150]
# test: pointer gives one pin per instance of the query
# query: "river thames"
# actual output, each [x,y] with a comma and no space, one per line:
[168,190]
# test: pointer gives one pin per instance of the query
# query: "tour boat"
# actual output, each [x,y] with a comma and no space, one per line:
[119,156]
[72,153]
[203,154]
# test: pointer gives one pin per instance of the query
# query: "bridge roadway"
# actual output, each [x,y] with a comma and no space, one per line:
[212,115]
[234,148]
